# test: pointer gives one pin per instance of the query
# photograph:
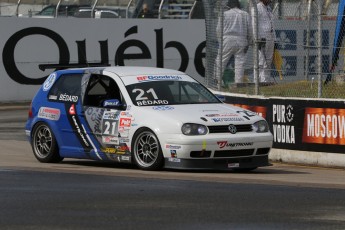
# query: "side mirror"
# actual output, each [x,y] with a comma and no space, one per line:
[114,104]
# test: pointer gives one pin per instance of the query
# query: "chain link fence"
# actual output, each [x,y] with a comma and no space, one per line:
[305,62]
[46,8]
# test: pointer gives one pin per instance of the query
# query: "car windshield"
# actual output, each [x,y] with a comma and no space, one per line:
[170,93]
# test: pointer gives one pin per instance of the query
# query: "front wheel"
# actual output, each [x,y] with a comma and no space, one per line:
[146,150]
[44,144]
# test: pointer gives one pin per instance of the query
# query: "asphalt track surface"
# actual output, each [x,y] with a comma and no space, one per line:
[82,194]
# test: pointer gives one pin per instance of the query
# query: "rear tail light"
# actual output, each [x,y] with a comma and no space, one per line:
[30,115]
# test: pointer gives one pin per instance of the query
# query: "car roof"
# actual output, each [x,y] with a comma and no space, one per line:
[139,70]
[104,8]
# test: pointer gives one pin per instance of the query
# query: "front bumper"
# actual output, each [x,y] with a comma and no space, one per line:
[217,164]
[219,152]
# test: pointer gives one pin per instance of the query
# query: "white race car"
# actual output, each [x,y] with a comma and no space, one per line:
[153,117]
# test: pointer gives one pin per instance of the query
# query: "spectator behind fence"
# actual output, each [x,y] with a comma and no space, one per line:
[267,37]
[145,12]
[237,35]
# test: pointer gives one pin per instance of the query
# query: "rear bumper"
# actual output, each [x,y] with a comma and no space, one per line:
[218,164]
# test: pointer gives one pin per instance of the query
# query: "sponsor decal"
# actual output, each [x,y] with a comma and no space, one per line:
[222,115]
[94,118]
[283,128]
[71,110]
[152,102]
[227,119]
[109,150]
[68,98]
[125,122]
[159,78]
[175,160]
[49,82]
[125,114]
[123,131]
[173,153]
[125,158]
[123,140]
[122,149]
[52,97]
[259,110]
[163,107]
[167,146]
[233,165]
[110,140]
[324,126]
[111,103]
[49,113]
[79,131]
[223,144]
[77,127]
[109,115]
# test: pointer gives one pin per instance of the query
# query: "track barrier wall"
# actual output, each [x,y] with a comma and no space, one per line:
[307,131]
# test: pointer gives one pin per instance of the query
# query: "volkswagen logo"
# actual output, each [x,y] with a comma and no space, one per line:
[232,129]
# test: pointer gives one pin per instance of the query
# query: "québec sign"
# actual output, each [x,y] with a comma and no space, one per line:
[88,42]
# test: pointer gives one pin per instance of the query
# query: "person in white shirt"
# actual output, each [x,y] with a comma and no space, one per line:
[266,35]
[237,35]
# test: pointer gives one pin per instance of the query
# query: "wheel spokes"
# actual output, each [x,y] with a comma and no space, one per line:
[147,149]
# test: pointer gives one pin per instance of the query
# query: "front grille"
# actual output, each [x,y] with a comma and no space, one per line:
[225,128]
[234,153]
[200,154]
[262,151]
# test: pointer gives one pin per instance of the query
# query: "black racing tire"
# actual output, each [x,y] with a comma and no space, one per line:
[146,150]
[44,144]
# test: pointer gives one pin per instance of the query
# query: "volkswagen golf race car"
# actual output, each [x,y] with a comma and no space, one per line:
[152,117]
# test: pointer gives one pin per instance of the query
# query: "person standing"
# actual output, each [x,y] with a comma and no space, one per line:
[145,12]
[267,37]
[237,35]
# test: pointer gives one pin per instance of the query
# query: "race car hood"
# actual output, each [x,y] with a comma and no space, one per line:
[208,114]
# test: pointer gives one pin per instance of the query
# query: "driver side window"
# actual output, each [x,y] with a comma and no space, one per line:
[99,89]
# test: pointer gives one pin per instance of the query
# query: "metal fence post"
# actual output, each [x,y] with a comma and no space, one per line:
[255,46]
[319,47]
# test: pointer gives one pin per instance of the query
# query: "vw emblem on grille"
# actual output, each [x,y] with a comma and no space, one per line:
[232,129]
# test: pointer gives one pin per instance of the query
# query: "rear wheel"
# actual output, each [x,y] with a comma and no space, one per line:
[146,150]
[44,144]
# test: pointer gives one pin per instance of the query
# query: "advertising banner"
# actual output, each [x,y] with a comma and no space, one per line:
[306,125]
[32,48]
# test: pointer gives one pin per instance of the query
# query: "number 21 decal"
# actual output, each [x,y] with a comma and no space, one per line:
[141,94]
[109,127]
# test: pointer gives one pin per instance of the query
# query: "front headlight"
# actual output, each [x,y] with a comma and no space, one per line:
[260,126]
[193,129]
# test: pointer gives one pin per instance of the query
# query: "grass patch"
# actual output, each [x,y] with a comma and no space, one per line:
[303,89]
